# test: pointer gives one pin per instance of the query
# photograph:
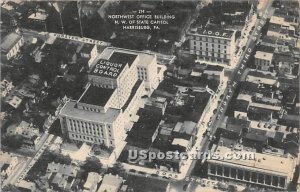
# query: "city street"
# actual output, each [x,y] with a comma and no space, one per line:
[22,170]
[235,77]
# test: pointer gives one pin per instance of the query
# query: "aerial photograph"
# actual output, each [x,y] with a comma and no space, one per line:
[150,96]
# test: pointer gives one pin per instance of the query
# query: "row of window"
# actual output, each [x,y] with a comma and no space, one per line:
[247,176]
[91,109]
[211,54]
[88,139]
[202,44]
[214,59]
[209,39]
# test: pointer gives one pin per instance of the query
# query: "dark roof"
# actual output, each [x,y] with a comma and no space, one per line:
[292,137]
[241,105]
[236,125]
[214,68]
[112,67]
[265,48]
[4,166]
[107,68]
[256,113]
[133,92]
[119,57]
[229,143]
[256,135]
[142,131]
[87,48]
[96,95]
[279,136]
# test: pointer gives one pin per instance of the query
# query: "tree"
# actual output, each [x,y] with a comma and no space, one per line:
[92,164]
[14,141]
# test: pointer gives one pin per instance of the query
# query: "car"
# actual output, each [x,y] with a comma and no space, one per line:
[218,116]
[209,123]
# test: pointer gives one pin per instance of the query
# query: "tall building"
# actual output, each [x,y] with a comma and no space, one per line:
[265,170]
[111,98]
[211,45]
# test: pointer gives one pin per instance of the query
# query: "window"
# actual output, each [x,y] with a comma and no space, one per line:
[240,174]
[275,181]
[254,177]
[247,176]
[213,169]
[219,170]
[282,182]
[226,171]
[261,178]
[233,173]
[268,180]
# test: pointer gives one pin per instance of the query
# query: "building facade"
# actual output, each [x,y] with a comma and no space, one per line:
[256,171]
[263,61]
[217,46]
[10,45]
[111,98]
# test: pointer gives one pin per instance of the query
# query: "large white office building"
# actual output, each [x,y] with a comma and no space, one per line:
[117,80]
[212,45]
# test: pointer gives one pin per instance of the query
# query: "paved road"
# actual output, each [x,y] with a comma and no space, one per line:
[23,170]
[235,78]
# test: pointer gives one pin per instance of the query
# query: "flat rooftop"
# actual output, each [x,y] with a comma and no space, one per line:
[263,55]
[119,57]
[70,110]
[96,95]
[113,66]
[213,33]
[9,41]
[278,165]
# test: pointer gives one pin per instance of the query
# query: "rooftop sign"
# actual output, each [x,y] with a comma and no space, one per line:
[106,68]
[215,33]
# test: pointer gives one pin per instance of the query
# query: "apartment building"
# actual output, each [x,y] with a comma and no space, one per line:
[213,45]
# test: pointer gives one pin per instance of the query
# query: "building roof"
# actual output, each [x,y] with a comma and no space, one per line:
[96,95]
[214,68]
[257,135]
[108,68]
[87,48]
[260,74]
[39,15]
[187,127]
[223,141]
[235,125]
[263,55]
[92,180]
[220,33]
[68,170]
[134,89]
[70,110]
[279,165]
[110,183]
[279,136]
[241,105]
[9,41]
